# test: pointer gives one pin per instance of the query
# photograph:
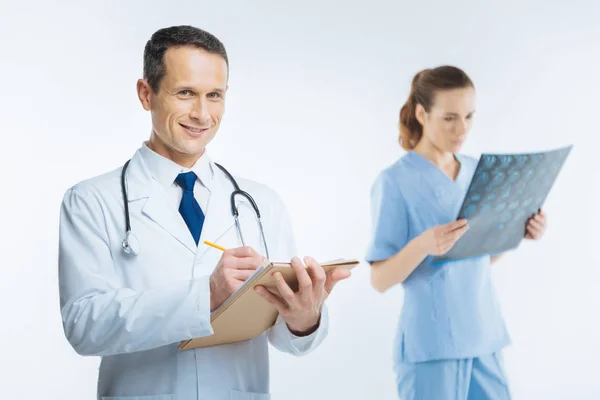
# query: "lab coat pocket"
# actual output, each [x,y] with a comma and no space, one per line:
[153,397]
[237,395]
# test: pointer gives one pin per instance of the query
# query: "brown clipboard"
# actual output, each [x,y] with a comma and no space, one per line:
[245,314]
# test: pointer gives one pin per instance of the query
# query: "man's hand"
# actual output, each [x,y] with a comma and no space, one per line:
[302,310]
[234,268]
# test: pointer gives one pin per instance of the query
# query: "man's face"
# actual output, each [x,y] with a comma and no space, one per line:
[188,108]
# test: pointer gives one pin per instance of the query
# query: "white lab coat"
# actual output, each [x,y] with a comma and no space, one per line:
[134,310]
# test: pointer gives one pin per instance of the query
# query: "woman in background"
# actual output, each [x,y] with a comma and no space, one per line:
[451,331]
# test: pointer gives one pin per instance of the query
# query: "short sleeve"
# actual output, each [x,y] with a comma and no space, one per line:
[389,219]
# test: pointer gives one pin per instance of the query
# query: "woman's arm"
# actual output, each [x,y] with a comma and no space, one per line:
[434,241]
[394,270]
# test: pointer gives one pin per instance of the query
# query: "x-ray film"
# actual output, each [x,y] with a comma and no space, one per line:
[505,191]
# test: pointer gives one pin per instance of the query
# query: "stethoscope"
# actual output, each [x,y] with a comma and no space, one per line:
[131,244]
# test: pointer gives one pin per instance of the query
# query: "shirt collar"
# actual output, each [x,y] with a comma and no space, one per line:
[164,171]
[425,164]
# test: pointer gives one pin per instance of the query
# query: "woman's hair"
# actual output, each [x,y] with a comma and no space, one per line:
[423,90]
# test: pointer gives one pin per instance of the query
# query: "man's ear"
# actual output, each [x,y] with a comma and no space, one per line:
[144,92]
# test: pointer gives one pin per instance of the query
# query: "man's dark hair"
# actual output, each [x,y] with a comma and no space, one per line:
[176,36]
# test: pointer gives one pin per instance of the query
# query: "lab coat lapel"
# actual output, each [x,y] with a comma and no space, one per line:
[141,185]
[161,211]
[218,218]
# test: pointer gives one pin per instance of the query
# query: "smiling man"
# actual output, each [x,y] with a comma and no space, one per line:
[133,301]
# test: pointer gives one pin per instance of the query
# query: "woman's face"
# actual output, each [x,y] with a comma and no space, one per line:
[449,121]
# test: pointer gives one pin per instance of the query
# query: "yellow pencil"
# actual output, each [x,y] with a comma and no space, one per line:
[216,246]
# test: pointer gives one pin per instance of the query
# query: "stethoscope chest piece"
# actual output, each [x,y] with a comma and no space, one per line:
[131,244]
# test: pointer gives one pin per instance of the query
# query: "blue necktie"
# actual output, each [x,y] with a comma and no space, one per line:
[189,208]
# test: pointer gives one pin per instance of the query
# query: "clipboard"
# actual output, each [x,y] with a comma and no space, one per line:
[245,314]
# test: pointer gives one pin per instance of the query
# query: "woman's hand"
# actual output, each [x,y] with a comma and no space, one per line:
[536,226]
[439,239]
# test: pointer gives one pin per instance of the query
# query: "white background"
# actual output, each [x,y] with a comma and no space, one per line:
[312,111]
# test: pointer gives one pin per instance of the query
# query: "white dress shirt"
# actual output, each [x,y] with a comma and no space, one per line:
[165,171]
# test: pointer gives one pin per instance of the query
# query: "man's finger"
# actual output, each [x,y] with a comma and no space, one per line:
[242,274]
[334,277]
[304,281]
[247,262]
[272,298]
[244,251]
[285,292]
[316,272]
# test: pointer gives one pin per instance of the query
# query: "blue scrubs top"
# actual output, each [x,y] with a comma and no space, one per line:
[450,310]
